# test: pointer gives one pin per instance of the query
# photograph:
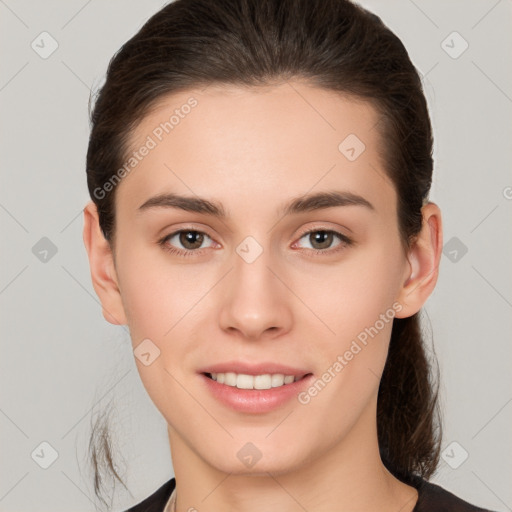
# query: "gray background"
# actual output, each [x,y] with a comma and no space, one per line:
[62,364]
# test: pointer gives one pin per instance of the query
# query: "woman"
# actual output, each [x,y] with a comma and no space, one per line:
[259,173]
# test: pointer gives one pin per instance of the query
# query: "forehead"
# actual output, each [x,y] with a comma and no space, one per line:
[247,144]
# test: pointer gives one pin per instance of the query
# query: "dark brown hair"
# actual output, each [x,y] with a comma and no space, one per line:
[332,44]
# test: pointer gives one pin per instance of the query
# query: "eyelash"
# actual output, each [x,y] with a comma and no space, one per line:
[345,242]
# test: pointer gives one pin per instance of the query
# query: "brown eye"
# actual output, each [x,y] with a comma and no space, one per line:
[321,240]
[191,239]
[184,242]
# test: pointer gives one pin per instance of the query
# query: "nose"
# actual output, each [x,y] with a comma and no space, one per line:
[256,303]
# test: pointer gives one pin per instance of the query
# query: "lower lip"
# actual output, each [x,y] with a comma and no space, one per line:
[255,401]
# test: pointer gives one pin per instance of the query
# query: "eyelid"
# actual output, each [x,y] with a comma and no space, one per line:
[332,229]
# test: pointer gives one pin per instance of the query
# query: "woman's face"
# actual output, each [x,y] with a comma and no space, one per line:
[253,292]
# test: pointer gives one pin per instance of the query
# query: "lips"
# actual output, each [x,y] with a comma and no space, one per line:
[263,368]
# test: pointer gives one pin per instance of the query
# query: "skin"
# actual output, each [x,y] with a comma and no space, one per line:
[253,149]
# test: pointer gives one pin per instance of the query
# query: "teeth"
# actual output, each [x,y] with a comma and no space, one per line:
[243,381]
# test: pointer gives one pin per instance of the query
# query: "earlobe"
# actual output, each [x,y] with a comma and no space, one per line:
[101,264]
[424,257]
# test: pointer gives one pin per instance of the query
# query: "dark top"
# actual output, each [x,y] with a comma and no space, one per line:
[431,498]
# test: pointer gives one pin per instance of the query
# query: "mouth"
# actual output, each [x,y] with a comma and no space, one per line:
[252,388]
[254,382]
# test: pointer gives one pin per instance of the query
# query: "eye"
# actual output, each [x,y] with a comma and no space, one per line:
[190,240]
[322,239]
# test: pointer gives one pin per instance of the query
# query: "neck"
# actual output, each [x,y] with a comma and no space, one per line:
[349,476]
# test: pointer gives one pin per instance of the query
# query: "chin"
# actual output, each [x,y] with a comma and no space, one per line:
[251,460]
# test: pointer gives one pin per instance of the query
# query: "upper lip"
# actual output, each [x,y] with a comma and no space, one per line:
[253,369]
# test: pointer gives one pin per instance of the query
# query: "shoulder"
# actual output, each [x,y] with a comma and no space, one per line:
[433,498]
[156,501]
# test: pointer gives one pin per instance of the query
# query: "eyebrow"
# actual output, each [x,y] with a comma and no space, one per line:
[301,204]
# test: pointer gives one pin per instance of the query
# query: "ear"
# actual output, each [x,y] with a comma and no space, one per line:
[423,257]
[101,263]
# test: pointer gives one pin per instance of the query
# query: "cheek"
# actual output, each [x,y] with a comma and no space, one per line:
[354,295]
[158,295]
[357,305]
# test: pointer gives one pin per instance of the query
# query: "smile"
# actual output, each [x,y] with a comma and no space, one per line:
[244,381]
